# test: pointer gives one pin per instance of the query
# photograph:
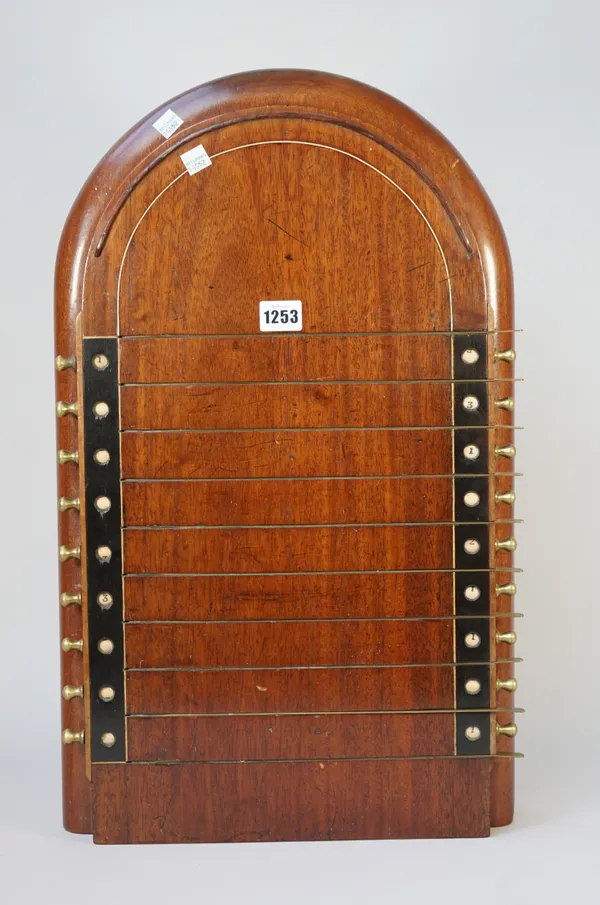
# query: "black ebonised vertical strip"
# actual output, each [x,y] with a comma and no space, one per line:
[471,544]
[103,529]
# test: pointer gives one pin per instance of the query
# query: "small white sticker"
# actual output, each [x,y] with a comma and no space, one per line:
[279,316]
[168,123]
[195,160]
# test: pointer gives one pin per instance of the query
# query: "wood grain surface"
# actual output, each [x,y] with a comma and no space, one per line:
[277,453]
[284,357]
[290,737]
[188,407]
[267,802]
[288,499]
[315,549]
[315,643]
[290,690]
[298,502]
[356,595]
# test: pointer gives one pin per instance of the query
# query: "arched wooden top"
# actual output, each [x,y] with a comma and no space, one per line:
[281,93]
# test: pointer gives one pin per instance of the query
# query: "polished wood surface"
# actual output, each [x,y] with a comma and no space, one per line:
[288,500]
[266,737]
[285,357]
[289,550]
[315,643]
[291,406]
[253,802]
[283,690]
[314,454]
[298,502]
[354,595]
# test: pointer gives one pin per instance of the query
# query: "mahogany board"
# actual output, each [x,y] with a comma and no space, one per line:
[280,575]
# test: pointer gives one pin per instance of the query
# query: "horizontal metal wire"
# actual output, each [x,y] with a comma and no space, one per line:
[323,760]
[305,335]
[315,430]
[507,568]
[260,668]
[502,521]
[318,382]
[497,615]
[376,477]
[318,713]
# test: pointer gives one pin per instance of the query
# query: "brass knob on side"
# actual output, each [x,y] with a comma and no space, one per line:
[72,691]
[63,362]
[505,355]
[68,644]
[510,589]
[67,408]
[508,403]
[69,737]
[506,637]
[506,684]
[509,452]
[509,544]
[65,503]
[65,553]
[508,497]
[509,730]
[64,456]
[67,599]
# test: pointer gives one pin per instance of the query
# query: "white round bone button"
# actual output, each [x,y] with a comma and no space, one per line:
[472,546]
[473,733]
[105,646]
[108,739]
[101,457]
[103,554]
[470,356]
[472,686]
[104,600]
[472,592]
[471,452]
[100,362]
[107,693]
[470,403]
[101,409]
[472,640]
[471,498]
[102,503]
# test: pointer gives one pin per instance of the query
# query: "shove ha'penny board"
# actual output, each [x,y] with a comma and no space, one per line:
[285,381]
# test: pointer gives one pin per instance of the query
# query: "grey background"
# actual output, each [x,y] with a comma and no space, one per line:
[515,86]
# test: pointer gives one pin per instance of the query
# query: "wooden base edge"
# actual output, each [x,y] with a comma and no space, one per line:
[286,801]
[502,784]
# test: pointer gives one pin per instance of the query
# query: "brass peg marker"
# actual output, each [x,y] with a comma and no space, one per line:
[65,503]
[508,403]
[505,355]
[64,456]
[67,408]
[508,452]
[68,644]
[509,496]
[506,637]
[67,599]
[510,589]
[69,737]
[65,553]
[506,684]
[509,730]
[509,544]
[72,691]
[63,362]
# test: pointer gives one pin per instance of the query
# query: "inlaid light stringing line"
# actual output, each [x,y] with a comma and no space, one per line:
[286,142]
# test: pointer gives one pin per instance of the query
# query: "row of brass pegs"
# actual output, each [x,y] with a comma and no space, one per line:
[508,730]
[69,736]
